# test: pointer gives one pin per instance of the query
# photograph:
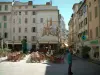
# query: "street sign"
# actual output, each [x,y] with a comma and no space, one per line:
[83,37]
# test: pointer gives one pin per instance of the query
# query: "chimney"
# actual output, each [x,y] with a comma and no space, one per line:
[48,3]
[30,2]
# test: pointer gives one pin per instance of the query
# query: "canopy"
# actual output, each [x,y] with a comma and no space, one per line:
[48,39]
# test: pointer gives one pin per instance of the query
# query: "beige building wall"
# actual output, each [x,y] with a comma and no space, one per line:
[94,20]
[94,28]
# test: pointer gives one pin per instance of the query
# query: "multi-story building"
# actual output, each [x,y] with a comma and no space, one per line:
[71,31]
[25,20]
[94,27]
[87,26]
[5,20]
[63,31]
[75,24]
[82,25]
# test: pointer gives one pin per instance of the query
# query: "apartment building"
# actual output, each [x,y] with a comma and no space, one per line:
[75,25]
[94,27]
[27,20]
[86,27]
[71,31]
[5,20]
[63,31]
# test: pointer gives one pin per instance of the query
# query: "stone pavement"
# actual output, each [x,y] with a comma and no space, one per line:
[80,67]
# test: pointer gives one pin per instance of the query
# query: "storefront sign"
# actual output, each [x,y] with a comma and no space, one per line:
[94,42]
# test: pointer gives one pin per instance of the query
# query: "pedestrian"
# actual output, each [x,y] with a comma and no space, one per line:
[69,59]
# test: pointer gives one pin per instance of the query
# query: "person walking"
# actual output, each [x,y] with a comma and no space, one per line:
[69,59]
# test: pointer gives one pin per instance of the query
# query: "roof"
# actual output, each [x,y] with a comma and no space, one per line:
[74,5]
[20,3]
[81,4]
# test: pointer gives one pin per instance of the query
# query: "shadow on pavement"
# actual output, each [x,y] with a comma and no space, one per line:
[56,69]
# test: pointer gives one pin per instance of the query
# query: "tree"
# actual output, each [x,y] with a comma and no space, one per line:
[24,46]
[85,51]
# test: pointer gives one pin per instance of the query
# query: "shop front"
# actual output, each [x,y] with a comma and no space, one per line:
[95,49]
[46,41]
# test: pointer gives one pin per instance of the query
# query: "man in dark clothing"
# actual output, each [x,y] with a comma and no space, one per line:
[69,59]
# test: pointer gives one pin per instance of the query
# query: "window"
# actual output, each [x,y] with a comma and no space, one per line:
[96,12]
[5,18]
[89,4]
[96,31]
[82,24]
[25,29]
[5,25]
[33,38]
[0,25]
[91,33]
[0,7]
[90,16]
[85,21]
[25,12]
[19,20]
[5,34]
[94,0]
[81,12]
[41,20]
[86,32]
[14,30]
[19,29]
[19,13]
[6,7]
[84,9]
[33,20]
[33,12]
[25,20]
[19,38]
[33,29]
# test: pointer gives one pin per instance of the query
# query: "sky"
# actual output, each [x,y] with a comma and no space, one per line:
[65,7]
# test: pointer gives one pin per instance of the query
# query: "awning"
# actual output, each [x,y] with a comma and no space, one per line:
[48,39]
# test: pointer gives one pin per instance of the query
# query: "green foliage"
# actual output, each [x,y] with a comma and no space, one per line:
[85,51]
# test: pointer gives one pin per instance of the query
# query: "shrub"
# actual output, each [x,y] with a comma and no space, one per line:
[85,51]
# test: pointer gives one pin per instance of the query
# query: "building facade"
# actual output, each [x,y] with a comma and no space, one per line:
[71,31]
[82,25]
[63,31]
[94,27]
[75,25]
[87,27]
[5,21]
[27,20]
